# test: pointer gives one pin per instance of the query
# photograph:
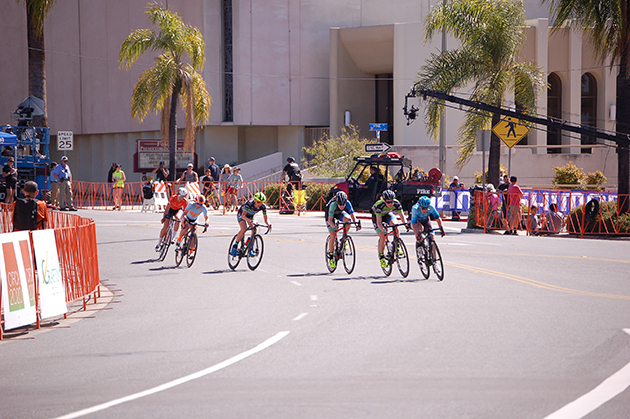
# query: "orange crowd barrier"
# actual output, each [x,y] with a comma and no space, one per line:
[581,213]
[75,237]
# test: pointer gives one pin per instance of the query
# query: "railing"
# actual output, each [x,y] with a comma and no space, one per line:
[75,238]
[602,218]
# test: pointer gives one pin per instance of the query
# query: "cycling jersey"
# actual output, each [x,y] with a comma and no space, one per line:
[381,208]
[417,216]
[333,209]
[176,204]
[248,210]
[194,210]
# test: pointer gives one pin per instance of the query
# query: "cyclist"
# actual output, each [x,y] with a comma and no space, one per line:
[383,212]
[421,215]
[338,208]
[176,204]
[191,213]
[245,217]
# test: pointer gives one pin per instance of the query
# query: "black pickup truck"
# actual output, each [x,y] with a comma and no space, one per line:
[392,171]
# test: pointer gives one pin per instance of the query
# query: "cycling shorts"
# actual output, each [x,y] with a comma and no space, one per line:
[337,216]
[385,219]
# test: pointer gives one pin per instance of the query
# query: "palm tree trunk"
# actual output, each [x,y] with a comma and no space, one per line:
[494,156]
[623,118]
[172,133]
[36,66]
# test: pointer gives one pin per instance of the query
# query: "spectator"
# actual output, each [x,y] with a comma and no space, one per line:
[118,186]
[189,175]
[453,187]
[292,171]
[493,204]
[54,187]
[63,175]
[111,172]
[9,172]
[29,213]
[226,172]
[207,185]
[502,190]
[161,173]
[515,193]
[214,169]
[533,222]
[552,221]
[235,182]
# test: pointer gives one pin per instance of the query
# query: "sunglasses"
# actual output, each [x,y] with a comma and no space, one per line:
[390,201]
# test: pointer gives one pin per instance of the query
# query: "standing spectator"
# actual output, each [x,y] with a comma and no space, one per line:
[207,186]
[493,205]
[161,173]
[226,172]
[515,193]
[235,182]
[214,169]
[292,171]
[503,187]
[10,179]
[453,187]
[118,185]
[29,213]
[63,175]
[189,175]
[111,172]
[54,187]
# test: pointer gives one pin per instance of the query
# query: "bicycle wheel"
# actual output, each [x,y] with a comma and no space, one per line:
[387,270]
[330,268]
[215,201]
[348,254]
[421,254]
[191,249]
[255,252]
[181,251]
[233,260]
[402,259]
[166,243]
[438,267]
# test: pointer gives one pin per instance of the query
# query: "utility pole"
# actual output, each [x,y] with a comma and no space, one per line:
[442,135]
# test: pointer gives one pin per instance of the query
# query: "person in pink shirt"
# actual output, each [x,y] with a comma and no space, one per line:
[515,193]
[493,204]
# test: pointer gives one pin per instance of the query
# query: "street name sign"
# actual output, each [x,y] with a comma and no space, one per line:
[510,131]
[377,147]
[378,127]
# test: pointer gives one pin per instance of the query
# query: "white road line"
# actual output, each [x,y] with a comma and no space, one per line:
[314,298]
[296,283]
[300,317]
[609,388]
[275,339]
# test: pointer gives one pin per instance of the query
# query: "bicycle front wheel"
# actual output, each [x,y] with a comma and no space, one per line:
[181,251]
[191,250]
[438,267]
[327,256]
[255,251]
[402,258]
[348,254]
[233,261]
[166,243]
[421,254]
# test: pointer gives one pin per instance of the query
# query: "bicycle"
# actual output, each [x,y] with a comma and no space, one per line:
[429,255]
[231,201]
[252,248]
[395,251]
[344,248]
[189,245]
[211,198]
[166,240]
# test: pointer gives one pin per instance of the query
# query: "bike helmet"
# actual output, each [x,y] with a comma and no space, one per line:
[341,198]
[388,195]
[182,192]
[424,201]
[260,197]
[200,199]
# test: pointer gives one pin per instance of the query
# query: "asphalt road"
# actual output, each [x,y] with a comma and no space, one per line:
[519,328]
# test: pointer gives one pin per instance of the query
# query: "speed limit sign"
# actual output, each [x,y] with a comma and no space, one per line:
[65,141]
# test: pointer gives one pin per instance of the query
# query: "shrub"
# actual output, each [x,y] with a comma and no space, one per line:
[316,194]
[333,156]
[568,175]
[273,194]
[478,178]
[604,223]
[595,180]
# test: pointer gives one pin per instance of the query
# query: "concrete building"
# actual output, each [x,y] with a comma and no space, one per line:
[281,73]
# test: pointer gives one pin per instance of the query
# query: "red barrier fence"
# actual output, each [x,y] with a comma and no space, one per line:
[555,211]
[75,237]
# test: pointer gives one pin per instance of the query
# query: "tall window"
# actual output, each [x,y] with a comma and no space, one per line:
[228,68]
[589,108]
[554,111]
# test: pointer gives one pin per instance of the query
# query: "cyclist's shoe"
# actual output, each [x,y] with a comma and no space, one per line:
[346,246]
[384,263]
[252,254]
[331,262]
[158,247]
[234,250]
[400,252]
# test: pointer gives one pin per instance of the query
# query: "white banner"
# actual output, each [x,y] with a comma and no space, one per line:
[52,295]
[18,283]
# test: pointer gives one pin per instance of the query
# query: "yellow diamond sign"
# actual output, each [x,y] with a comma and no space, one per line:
[510,131]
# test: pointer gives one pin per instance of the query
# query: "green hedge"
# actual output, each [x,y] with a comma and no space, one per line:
[605,221]
[314,194]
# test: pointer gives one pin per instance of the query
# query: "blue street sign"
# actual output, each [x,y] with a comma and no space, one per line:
[378,127]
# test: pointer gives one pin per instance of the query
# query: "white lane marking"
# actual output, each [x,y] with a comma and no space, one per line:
[300,317]
[275,339]
[314,298]
[609,388]
[296,283]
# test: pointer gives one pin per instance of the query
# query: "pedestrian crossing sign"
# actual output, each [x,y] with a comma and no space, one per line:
[510,131]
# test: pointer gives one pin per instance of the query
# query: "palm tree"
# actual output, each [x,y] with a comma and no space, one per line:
[36,12]
[159,87]
[491,34]
[607,24]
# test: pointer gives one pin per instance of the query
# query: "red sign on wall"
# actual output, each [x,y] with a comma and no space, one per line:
[149,154]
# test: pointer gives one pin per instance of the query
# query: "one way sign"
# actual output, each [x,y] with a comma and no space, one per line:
[377,147]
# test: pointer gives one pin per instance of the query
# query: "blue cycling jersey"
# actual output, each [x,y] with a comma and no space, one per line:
[417,216]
